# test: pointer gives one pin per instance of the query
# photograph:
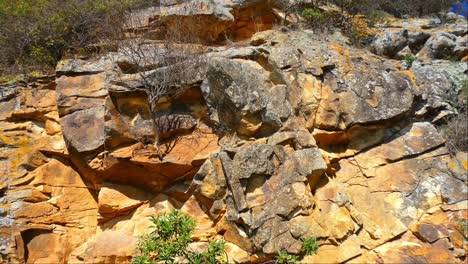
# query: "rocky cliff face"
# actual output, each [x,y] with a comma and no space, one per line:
[284,135]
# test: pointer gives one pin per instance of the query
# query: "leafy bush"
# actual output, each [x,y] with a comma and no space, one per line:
[313,16]
[37,33]
[309,246]
[170,239]
[377,17]
[284,257]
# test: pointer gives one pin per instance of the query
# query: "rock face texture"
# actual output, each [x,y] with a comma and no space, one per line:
[285,136]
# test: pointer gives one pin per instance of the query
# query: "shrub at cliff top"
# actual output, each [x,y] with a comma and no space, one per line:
[37,33]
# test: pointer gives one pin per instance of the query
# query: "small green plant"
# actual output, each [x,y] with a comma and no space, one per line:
[211,256]
[284,257]
[409,59]
[169,241]
[453,58]
[313,16]
[309,246]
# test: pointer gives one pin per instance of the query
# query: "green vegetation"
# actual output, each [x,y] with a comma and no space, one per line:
[211,256]
[453,58]
[284,257]
[37,33]
[378,17]
[309,246]
[455,127]
[409,59]
[354,17]
[313,16]
[169,241]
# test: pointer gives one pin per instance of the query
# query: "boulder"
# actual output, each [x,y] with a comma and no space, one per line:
[439,46]
[389,43]
[114,199]
[461,48]
[439,84]
[84,130]
[232,108]
[417,39]
[106,247]
[365,95]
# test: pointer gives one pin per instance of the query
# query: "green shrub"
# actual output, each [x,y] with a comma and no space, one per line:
[211,256]
[313,16]
[409,59]
[284,257]
[170,239]
[453,58]
[377,17]
[309,246]
[35,34]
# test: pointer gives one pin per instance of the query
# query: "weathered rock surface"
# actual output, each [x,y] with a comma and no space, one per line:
[291,136]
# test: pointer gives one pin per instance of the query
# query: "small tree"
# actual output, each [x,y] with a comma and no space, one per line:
[163,69]
[169,241]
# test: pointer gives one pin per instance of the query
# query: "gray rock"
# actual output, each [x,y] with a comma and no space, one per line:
[417,39]
[298,139]
[439,84]
[253,160]
[84,129]
[461,48]
[210,180]
[370,95]
[439,46]
[389,43]
[240,89]
[450,17]
[310,162]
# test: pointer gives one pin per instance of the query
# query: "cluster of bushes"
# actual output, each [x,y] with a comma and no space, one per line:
[35,34]
[355,17]
[396,8]
[402,8]
[346,15]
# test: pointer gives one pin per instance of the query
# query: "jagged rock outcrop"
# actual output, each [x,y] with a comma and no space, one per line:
[287,136]
[209,21]
[426,38]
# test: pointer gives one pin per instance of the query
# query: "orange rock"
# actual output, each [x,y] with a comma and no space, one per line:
[205,226]
[116,199]
[106,247]
[44,247]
